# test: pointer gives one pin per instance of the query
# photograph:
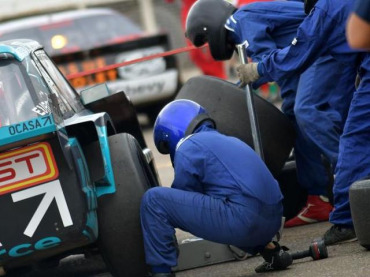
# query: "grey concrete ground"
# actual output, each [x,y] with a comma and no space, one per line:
[348,259]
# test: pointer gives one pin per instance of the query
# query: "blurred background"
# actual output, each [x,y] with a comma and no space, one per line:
[153,16]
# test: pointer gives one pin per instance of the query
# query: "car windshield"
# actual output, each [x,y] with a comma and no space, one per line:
[78,34]
[23,95]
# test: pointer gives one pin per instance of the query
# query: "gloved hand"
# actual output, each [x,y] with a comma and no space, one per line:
[275,259]
[247,73]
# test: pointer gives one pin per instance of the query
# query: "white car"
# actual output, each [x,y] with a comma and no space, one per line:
[82,40]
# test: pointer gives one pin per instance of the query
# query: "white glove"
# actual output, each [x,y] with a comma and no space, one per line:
[247,73]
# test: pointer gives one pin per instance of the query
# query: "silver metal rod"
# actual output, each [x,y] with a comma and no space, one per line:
[257,143]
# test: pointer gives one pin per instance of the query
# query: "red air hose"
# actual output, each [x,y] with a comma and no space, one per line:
[150,57]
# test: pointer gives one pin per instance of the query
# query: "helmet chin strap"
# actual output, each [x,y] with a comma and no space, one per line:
[197,121]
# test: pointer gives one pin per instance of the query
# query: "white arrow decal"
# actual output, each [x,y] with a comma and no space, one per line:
[51,190]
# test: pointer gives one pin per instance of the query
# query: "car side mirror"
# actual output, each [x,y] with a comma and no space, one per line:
[94,93]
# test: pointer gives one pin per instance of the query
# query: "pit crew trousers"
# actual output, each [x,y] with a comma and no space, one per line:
[318,106]
[321,106]
[250,225]
[354,149]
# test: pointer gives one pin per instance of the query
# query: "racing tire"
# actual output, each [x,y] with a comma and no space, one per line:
[359,199]
[226,104]
[120,238]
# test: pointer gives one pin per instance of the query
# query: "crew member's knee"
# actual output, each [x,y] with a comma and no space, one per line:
[151,196]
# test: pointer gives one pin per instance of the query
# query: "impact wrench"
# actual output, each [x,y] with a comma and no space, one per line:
[316,251]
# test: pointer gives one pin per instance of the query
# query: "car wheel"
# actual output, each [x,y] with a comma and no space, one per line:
[359,199]
[120,238]
[226,104]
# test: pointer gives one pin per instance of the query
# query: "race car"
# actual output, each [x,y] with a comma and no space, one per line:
[73,167]
[82,40]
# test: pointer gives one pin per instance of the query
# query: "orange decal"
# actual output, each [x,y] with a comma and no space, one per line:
[26,167]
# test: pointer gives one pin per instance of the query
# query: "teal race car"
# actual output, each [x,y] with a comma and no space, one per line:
[73,167]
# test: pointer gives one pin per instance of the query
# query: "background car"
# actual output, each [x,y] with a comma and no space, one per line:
[82,40]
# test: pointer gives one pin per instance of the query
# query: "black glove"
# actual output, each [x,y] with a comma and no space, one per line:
[275,259]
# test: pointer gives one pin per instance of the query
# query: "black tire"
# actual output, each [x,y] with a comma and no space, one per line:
[120,238]
[295,197]
[226,104]
[359,199]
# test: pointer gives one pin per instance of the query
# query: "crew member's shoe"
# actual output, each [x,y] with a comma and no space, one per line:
[317,209]
[339,234]
[275,259]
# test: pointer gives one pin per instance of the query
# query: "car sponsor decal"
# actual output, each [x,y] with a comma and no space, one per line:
[141,69]
[27,167]
[42,108]
[27,129]
[51,191]
[149,88]
[27,248]
[30,125]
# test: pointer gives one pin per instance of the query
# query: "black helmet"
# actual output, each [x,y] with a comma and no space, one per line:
[308,5]
[205,23]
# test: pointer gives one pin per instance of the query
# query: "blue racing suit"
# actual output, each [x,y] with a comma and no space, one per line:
[222,192]
[316,105]
[323,32]
[354,148]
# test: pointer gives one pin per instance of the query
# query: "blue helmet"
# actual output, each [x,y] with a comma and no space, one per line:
[177,120]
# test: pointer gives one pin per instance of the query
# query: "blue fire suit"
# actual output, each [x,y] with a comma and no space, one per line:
[222,192]
[310,97]
[354,150]
[323,32]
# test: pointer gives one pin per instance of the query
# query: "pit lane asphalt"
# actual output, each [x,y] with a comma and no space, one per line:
[348,259]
